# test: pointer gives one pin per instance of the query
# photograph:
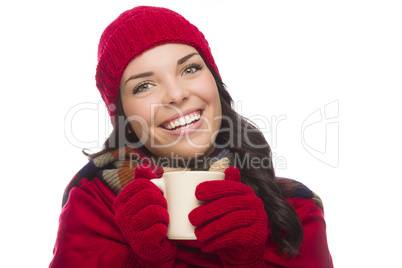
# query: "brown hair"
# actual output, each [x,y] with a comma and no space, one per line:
[286,227]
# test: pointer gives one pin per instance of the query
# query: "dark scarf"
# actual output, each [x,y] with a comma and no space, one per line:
[116,168]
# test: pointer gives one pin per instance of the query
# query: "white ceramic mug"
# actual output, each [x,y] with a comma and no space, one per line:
[178,187]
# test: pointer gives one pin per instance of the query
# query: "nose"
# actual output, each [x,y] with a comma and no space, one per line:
[175,93]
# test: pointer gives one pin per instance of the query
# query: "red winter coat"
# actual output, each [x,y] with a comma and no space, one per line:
[89,237]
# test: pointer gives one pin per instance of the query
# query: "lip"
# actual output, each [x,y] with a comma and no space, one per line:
[188,130]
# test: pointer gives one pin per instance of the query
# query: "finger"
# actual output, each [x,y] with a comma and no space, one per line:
[144,172]
[151,238]
[149,216]
[211,190]
[232,174]
[141,200]
[227,223]
[217,208]
[246,236]
[154,245]
[133,188]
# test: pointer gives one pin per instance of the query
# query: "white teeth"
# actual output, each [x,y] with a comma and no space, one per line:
[183,121]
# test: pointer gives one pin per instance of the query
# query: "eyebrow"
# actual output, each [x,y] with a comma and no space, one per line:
[141,75]
[185,58]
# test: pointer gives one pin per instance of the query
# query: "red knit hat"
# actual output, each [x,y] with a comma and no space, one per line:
[134,32]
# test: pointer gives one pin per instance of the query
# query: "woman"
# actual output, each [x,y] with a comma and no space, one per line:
[171,111]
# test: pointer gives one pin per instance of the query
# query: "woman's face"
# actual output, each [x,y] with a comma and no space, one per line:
[171,100]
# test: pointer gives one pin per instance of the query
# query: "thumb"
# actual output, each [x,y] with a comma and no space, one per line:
[232,174]
[144,172]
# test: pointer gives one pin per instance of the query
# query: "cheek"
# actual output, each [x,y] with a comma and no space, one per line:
[138,116]
[213,96]
[210,92]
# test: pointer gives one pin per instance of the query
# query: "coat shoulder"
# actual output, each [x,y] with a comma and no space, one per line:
[293,188]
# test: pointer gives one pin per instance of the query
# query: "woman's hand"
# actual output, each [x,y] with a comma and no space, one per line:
[233,222]
[141,214]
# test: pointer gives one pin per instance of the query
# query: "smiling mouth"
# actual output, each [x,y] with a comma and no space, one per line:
[183,121]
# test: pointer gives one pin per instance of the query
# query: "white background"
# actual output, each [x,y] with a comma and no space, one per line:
[278,58]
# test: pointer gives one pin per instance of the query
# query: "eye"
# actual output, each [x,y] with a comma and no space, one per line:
[144,86]
[192,68]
